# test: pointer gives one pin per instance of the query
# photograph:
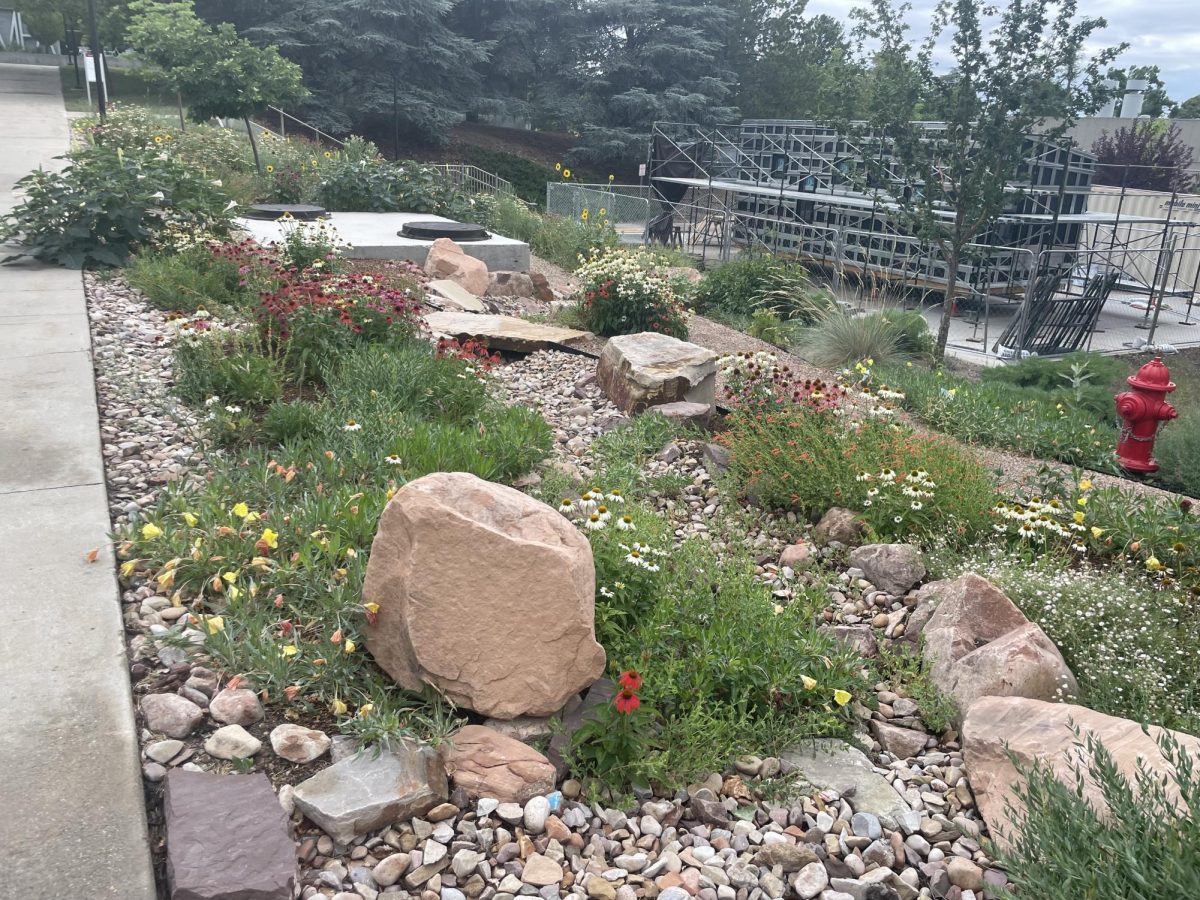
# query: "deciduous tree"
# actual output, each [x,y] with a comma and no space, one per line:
[1150,155]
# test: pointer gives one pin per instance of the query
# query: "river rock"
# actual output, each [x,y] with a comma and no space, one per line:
[170,714]
[298,744]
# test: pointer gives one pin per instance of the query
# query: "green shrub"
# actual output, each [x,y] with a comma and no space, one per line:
[624,293]
[736,286]
[912,332]
[228,368]
[840,339]
[291,421]
[186,280]
[996,414]
[1143,844]
[789,456]
[1178,453]
[106,203]
[1084,381]
[560,241]
[767,326]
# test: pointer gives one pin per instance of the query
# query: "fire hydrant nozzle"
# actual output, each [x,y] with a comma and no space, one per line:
[1143,410]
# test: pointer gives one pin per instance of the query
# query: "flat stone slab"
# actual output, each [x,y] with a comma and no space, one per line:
[227,838]
[456,294]
[369,790]
[830,764]
[501,332]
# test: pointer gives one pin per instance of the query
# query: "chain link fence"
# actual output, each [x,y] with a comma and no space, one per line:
[621,205]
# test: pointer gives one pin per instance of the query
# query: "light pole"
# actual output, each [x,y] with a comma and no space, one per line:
[101,93]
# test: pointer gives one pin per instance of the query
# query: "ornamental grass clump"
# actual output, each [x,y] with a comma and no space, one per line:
[623,292]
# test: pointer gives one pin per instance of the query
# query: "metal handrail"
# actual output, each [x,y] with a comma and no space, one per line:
[284,116]
[475,179]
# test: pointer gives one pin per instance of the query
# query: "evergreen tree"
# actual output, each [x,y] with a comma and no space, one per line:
[654,60]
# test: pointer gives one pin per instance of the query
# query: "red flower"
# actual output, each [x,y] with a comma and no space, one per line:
[630,680]
[627,701]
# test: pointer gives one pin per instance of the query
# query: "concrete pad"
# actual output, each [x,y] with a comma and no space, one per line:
[28,275]
[39,303]
[32,335]
[49,429]
[377,236]
[69,757]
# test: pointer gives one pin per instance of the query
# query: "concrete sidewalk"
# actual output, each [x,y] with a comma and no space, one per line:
[73,822]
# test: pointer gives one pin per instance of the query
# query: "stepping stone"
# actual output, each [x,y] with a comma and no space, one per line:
[830,764]
[457,295]
[227,836]
[365,791]
[501,332]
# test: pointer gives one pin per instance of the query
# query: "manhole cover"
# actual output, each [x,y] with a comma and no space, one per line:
[456,231]
[305,212]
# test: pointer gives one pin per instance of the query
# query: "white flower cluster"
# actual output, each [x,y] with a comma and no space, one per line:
[917,486]
[1035,520]
[594,510]
[631,272]
[640,555]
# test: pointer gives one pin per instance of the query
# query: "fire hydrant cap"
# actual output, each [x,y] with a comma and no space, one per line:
[1153,376]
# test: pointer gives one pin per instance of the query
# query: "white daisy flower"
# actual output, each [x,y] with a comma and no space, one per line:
[392,459]
[352,426]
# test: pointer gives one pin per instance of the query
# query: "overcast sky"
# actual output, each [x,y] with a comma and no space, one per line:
[1162,32]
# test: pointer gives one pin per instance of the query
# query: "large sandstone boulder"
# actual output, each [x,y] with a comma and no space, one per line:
[841,526]
[486,763]
[484,593]
[448,260]
[978,644]
[648,369]
[1034,730]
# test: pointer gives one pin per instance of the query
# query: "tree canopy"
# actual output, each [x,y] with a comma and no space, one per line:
[1150,155]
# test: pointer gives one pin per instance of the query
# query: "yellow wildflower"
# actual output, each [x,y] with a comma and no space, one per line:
[241,510]
[338,707]
[809,683]
[1078,517]
[190,519]
[230,577]
[289,650]
[1153,564]
[841,698]
[1082,501]
[214,624]
[365,709]
[350,646]
[150,531]
[372,608]
[270,538]
[566,173]
[127,568]
[1096,532]
[1085,484]
[270,168]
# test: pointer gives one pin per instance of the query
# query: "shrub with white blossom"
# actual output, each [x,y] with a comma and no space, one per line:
[622,292]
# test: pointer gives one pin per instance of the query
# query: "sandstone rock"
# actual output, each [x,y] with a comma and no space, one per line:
[523,728]
[236,707]
[839,525]
[510,284]
[541,871]
[860,637]
[683,412]
[830,764]
[902,742]
[365,792]
[390,869]
[964,874]
[501,332]
[448,260]
[298,744]
[542,292]
[811,881]
[790,857]
[893,568]
[170,714]
[469,576]
[797,557]
[716,459]
[640,370]
[977,643]
[227,837]
[443,292]
[232,742]
[1038,731]
[486,763]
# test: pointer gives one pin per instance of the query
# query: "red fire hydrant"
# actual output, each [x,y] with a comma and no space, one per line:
[1142,411]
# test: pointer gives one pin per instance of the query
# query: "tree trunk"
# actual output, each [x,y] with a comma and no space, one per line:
[253,144]
[939,347]
[395,119]
[179,100]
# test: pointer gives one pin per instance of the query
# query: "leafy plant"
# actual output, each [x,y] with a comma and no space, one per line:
[623,293]
[840,339]
[613,744]
[766,326]
[1142,844]
[106,203]
[187,280]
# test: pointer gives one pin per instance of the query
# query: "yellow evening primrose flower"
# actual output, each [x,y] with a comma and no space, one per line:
[372,608]
[289,650]
[1085,485]
[365,709]
[1082,501]
[1078,517]
[233,593]
[127,568]
[230,577]
[349,646]
[1096,532]
[338,707]
[214,624]
[166,579]
[251,518]
[778,609]
[190,519]
[150,531]
[241,510]
[840,697]
[809,683]
[270,538]
[1153,564]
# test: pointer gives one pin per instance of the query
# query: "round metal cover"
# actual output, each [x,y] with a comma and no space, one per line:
[456,231]
[305,212]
